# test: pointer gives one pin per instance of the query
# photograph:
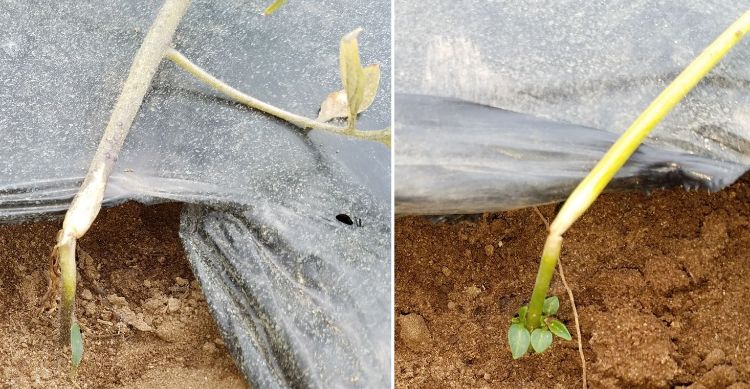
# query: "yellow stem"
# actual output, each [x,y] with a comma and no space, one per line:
[589,189]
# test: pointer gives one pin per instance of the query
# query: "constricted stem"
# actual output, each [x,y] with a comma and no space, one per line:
[382,136]
[66,256]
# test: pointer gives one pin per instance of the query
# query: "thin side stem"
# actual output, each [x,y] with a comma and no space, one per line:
[382,136]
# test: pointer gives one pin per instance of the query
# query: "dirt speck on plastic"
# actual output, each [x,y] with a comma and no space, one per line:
[660,282]
[144,319]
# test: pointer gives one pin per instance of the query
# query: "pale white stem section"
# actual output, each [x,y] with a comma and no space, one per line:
[88,200]
[383,136]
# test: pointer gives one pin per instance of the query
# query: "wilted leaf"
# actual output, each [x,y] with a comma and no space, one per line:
[518,339]
[541,339]
[76,345]
[273,7]
[336,105]
[372,82]
[352,74]
[559,329]
[551,305]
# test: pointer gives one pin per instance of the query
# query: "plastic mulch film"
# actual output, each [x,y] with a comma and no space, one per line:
[301,298]
[573,76]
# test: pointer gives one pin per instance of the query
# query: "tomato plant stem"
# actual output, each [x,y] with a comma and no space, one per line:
[88,201]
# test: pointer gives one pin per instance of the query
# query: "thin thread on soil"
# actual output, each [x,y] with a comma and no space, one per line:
[575,317]
[572,303]
[541,216]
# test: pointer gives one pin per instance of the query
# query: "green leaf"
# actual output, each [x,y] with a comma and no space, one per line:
[541,339]
[559,329]
[551,305]
[76,345]
[518,339]
[522,313]
[273,7]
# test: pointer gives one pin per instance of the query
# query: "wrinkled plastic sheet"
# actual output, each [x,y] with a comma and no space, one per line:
[301,299]
[513,103]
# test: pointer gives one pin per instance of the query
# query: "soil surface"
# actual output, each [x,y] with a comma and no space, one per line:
[144,319]
[662,286]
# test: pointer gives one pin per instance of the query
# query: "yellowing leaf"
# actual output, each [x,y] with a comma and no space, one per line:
[372,82]
[336,104]
[273,7]
[352,74]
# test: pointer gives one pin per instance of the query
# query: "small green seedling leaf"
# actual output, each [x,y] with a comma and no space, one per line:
[76,346]
[559,329]
[522,313]
[541,339]
[519,340]
[273,7]
[551,305]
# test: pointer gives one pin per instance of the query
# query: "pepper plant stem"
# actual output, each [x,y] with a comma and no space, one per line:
[594,183]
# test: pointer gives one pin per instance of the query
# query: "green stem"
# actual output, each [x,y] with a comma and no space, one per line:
[550,256]
[382,136]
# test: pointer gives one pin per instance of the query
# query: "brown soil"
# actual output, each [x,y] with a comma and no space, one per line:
[662,285]
[145,321]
